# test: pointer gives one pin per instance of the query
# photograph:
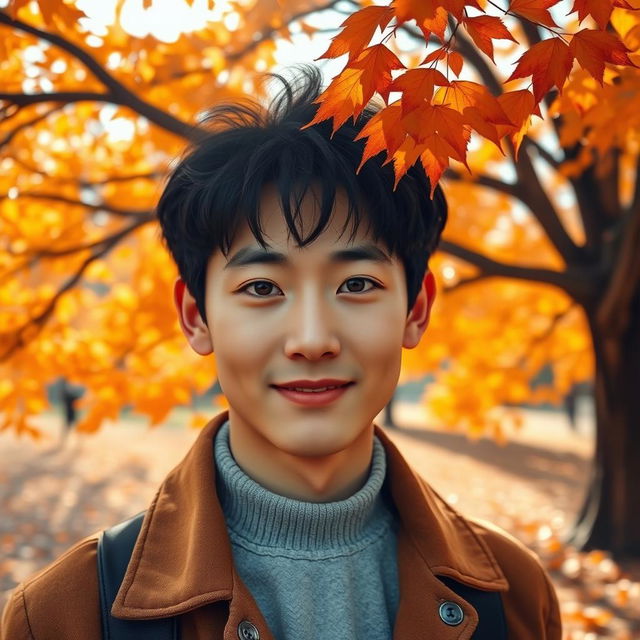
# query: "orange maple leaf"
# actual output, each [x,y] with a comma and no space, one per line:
[438,54]
[431,122]
[462,94]
[455,62]
[457,7]
[384,132]
[52,11]
[548,63]
[593,48]
[349,92]
[357,31]
[480,110]
[476,120]
[343,97]
[434,160]
[405,157]
[599,10]
[430,15]
[417,86]
[377,62]
[535,10]
[520,105]
[484,29]
[60,13]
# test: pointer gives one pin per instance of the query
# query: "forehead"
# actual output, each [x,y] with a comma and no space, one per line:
[278,237]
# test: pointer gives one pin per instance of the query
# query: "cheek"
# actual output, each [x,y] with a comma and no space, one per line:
[378,340]
[240,343]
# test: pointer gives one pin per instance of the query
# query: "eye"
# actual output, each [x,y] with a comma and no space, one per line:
[361,279]
[260,287]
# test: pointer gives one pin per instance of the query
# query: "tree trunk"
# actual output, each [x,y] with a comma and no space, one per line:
[610,516]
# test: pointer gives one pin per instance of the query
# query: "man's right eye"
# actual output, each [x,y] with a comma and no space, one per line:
[261,287]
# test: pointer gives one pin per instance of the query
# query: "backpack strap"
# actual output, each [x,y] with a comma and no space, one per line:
[492,624]
[114,552]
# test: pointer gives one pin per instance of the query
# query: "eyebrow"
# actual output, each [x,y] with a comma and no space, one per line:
[255,255]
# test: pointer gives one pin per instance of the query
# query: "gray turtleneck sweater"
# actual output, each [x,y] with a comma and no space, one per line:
[318,571]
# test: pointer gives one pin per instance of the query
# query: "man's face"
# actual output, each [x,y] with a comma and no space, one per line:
[309,316]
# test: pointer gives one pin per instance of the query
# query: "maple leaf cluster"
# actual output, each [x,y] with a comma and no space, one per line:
[435,115]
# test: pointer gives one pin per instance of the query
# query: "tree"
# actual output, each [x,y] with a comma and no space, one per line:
[541,244]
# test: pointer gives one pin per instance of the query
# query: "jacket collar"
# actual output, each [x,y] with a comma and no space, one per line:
[182,559]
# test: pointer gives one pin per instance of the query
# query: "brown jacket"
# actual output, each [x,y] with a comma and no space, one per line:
[182,564]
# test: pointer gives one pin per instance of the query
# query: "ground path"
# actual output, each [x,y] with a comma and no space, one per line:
[52,496]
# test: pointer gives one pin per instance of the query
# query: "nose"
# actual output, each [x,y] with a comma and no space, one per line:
[311,328]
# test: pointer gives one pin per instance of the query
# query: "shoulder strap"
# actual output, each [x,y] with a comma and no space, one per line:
[114,552]
[488,604]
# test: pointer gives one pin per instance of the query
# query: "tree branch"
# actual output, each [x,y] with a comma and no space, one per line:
[25,99]
[49,253]
[40,320]
[585,188]
[27,166]
[118,93]
[529,191]
[542,152]
[535,196]
[9,111]
[466,281]
[531,31]
[29,123]
[144,215]
[153,175]
[572,282]
[508,188]
[547,333]
[267,34]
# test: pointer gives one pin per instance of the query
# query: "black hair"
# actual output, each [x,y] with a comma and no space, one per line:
[219,180]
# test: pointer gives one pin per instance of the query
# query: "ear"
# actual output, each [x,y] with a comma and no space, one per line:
[418,318]
[191,322]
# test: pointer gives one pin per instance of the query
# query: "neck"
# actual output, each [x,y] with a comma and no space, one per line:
[318,478]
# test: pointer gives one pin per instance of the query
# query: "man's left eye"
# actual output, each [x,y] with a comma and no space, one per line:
[360,279]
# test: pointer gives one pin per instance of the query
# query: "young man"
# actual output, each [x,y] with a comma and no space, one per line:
[293,515]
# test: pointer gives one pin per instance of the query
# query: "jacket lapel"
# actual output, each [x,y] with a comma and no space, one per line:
[182,559]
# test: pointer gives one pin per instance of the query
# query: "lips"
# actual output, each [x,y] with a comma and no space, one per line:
[313,386]
[315,390]
[319,397]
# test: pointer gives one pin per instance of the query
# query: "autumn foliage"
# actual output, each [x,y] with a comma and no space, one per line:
[436,113]
[91,118]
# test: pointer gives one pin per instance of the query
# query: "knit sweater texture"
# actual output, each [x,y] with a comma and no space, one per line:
[318,571]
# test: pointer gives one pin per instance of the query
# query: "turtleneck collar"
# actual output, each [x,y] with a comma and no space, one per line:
[271,520]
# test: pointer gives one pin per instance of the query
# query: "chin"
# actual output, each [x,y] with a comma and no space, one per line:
[315,442]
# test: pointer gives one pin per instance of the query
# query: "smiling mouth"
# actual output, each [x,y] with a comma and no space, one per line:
[317,390]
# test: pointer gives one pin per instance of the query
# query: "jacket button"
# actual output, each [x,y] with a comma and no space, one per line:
[451,613]
[247,631]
